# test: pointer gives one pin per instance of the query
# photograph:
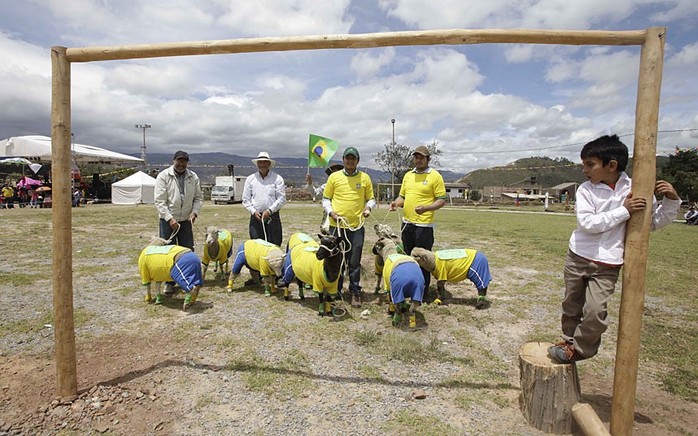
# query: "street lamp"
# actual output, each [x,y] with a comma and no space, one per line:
[143,155]
[392,170]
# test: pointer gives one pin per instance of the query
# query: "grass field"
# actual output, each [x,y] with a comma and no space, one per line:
[526,252]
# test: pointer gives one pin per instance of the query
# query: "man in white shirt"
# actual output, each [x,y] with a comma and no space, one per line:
[263,195]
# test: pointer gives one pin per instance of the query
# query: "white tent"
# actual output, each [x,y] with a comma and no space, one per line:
[39,148]
[135,189]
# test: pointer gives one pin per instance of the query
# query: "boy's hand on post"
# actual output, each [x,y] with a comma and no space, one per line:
[666,189]
[634,205]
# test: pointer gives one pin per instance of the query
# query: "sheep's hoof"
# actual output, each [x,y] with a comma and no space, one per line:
[159,299]
[229,289]
[397,319]
[187,303]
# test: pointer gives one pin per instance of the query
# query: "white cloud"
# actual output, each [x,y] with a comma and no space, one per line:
[367,64]
[483,109]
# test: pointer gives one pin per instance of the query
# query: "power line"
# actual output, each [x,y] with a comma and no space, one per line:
[564,145]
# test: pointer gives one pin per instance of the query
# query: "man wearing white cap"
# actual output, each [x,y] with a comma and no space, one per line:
[264,194]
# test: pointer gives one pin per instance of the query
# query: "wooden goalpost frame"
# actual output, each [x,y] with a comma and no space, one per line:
[644,167]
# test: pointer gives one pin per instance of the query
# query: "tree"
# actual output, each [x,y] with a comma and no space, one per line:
[396,159]
[682,171]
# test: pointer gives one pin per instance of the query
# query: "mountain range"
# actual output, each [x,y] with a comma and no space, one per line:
[209,165]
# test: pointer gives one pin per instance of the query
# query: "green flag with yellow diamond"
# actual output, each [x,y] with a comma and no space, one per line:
[320,151]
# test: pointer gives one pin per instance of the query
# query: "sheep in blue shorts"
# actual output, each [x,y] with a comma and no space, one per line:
[164,263]
[403,278]
[456,265]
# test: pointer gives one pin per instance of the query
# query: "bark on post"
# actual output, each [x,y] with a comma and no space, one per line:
[548,389]
[62,244]
[354,41]
[637,233]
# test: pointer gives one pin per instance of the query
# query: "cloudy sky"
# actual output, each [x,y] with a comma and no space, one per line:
[485,104]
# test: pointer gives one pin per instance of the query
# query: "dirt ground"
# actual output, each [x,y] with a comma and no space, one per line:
[240,363]
[129,384]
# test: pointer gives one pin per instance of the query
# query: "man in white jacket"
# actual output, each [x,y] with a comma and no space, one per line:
[178,199]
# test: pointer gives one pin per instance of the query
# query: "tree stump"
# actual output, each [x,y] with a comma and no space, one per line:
[548,389]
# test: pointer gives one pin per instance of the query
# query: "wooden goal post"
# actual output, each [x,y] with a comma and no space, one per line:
[646,117]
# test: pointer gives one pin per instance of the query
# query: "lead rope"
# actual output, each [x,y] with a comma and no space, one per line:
[341,233]
[174,233]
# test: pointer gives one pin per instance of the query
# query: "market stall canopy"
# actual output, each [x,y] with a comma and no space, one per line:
[39,148]
[28,181]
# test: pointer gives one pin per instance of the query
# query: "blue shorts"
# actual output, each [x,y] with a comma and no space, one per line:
[406,281]
[187,272]
[287,271]
[240,260]
[479,272]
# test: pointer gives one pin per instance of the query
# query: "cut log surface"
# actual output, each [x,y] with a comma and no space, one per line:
[548,389]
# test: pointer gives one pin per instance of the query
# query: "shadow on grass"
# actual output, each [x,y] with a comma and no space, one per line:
[243,367]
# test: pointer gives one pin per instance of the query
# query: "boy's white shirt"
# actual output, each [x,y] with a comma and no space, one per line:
[601,220]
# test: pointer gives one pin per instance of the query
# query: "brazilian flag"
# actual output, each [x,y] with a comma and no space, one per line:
[321,151]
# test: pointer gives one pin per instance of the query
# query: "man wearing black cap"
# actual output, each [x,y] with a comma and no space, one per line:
[348,200]
[422,192]
[178,199]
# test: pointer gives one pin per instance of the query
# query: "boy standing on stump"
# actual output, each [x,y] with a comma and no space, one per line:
[604,204]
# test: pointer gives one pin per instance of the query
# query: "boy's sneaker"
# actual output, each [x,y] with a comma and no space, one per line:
[481,302]
[564,353]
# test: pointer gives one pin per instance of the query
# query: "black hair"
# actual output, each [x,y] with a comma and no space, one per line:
[607,148]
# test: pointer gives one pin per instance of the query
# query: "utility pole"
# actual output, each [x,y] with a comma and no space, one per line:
[143,154]
[392,170]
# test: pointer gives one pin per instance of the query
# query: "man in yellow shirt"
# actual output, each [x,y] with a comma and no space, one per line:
[348,200]
[422,192]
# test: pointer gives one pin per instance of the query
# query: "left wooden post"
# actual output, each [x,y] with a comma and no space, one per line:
[62,244]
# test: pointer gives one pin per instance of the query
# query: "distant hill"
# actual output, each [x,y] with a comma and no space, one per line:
[547,171]
[293,170]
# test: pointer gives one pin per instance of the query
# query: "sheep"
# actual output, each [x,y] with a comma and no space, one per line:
[295,239]
[319,266]
[260,257]
[402,278]
[159,263]
[218,248]
[454,266]
[384,231]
